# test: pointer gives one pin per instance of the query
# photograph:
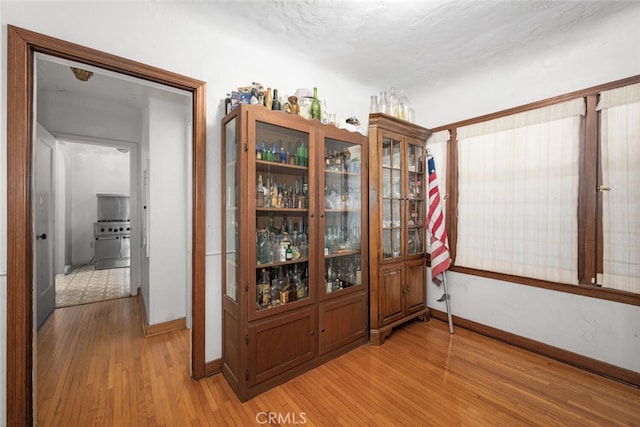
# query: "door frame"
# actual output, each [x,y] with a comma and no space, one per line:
[21,47]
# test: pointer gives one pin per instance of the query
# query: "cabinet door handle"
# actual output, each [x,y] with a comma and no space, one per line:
[313,333]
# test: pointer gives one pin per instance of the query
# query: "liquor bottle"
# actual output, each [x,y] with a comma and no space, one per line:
[272,228]
[274,193]
[264,295]
[285,244]
[288,253]
[275,104]
[300,290]
[316,112]
[259,193]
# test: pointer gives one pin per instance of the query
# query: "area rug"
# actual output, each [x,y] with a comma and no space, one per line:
[85,285]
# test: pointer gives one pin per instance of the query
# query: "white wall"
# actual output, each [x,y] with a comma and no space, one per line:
[206,47]
[167,210]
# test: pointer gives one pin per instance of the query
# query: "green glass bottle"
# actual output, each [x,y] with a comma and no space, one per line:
[315,105]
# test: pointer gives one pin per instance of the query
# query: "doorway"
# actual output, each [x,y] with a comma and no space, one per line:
[22,45]
[84,271]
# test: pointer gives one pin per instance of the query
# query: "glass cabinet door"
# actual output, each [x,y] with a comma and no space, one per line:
[231,208]
[343,192]
[391,199]
[416,199]
[281,197]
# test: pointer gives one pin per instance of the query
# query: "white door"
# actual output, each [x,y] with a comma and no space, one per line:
[44,280]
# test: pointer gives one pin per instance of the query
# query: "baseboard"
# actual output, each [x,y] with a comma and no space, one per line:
[212,368]
[159,328]
[583,362]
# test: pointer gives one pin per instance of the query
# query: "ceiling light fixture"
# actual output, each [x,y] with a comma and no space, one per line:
[82,75]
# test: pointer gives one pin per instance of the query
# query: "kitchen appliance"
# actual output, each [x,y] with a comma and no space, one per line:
[112,232]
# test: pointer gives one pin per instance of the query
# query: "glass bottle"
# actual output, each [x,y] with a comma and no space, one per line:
[403,106]
[264,295]
[268,100]
[324,114]
[393,103]
[288,253]
[275,103]
[373,106]
[316,112]
[271,227]
[259,193]
[285,244]
[383,106]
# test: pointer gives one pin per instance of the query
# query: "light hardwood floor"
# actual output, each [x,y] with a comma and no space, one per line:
[95,367]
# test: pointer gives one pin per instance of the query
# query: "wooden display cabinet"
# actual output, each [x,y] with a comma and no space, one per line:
[397,226]
[295,267]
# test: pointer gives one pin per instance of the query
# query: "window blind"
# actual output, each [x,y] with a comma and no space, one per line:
[518,193]
[620,160]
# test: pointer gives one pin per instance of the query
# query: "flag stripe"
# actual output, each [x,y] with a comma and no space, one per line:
[440,257]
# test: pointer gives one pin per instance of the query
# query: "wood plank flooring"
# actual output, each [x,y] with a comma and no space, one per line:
[95,368]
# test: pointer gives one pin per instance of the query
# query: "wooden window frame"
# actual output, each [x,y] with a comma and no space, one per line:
[590,237]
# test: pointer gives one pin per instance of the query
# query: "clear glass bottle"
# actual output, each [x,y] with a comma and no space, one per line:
[403,106]
[325,113]
[373,106]
[383,105]
[393,103]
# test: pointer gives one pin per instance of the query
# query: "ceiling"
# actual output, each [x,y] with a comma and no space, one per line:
[379,43]
[410,44]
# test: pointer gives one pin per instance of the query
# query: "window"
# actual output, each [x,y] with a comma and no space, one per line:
[548,194]
[620,163]
[518,193]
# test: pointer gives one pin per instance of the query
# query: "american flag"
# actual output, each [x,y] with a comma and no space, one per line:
[440,258]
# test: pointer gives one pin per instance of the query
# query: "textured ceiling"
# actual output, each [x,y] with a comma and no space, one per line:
[411,44]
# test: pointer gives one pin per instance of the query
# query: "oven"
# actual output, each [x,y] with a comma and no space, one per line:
[112,231]
[112,244]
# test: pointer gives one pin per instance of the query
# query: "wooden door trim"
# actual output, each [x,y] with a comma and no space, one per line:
[21,47]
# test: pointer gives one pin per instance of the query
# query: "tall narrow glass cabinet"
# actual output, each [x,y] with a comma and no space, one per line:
[295,278]
[397,225]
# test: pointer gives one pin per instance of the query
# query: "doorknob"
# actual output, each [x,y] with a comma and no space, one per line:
[42,236]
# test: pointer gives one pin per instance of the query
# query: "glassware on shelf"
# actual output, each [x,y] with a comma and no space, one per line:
[393,103]
[403,106]
[383,105]
[264,294]
[373,106]
[316,112]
